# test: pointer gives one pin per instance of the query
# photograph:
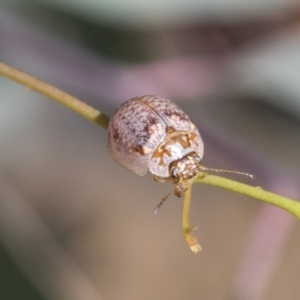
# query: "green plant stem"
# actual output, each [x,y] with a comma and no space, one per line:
[187,229]
[252,191]
[61,97]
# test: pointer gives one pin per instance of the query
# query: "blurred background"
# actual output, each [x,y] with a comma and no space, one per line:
[76,225]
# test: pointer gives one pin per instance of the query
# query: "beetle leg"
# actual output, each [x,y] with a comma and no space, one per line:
[161,179]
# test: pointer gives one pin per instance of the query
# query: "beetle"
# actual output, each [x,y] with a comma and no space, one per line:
[152,133]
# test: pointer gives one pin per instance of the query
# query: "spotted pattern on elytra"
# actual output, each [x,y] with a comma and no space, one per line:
[150,132]
[131,138]
[172,115]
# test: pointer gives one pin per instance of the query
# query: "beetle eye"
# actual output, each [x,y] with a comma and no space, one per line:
[197,159]
[175,173]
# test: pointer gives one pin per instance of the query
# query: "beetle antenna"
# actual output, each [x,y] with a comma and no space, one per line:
[227,171]
[163,200]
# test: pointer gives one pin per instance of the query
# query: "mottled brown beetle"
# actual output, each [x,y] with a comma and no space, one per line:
[152,133]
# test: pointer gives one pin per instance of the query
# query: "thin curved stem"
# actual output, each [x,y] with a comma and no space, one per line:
[187,229]
[61,97]
[256,192]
